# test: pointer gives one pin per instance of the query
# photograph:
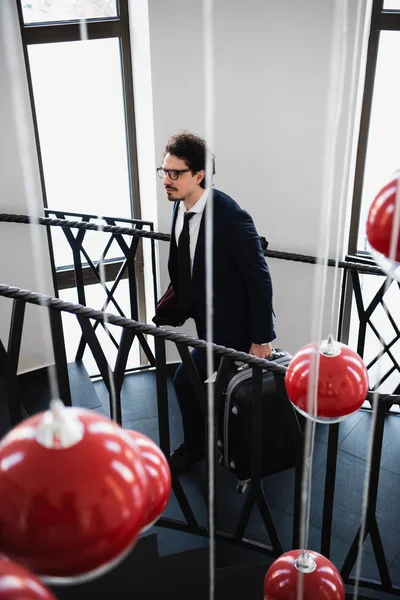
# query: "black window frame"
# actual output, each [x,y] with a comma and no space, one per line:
[69,31]
[381,20]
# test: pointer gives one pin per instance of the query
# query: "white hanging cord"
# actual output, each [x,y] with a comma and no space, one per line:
[83,32]
[102,275]
[375,400]
[334,106]
[345,183]
[23,127]
[208,44]
[367,479]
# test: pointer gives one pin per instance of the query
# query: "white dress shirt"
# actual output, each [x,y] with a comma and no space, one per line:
[194,223]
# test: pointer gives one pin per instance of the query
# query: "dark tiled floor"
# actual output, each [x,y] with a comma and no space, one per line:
[138,397]
[139,410]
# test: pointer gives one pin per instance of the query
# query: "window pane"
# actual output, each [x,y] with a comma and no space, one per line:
[391,4]
[383,152]
[95,297]
[81,122]
[43,11]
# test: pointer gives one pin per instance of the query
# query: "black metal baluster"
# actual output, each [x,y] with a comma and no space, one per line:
[298,438]
[164,433]
[371,527]
[154,266]
[125,345]
[11,388]
[379,551]
[361,313]
[193,377]
[329,491]
[224,369]
[101,361]
[60,357]
[162,395]
[9,362]
[15,337]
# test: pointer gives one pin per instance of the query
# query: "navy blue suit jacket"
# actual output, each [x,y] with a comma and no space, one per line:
[242,287]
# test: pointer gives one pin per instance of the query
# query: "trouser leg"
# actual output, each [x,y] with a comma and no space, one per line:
[192,416]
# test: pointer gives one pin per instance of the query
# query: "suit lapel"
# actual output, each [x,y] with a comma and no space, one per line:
[199,255]
[173,246]
[174,216]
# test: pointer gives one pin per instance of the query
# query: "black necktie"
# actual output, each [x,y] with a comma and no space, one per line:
[183,264]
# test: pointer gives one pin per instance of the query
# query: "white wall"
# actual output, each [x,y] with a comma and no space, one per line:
[272,65]
[22,263]
[271,68]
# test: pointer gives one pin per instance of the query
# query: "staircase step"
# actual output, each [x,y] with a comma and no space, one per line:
[144,576]
[138,396]
[179,576]
[35,389]
[237,583]
[119,583]
[83,392]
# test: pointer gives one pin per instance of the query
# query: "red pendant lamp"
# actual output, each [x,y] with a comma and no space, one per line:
[342,381]
[16,583]
[159,476]
[383,228]
[318,577]
[73,492]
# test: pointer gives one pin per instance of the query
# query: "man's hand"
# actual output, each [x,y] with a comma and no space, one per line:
[261,351]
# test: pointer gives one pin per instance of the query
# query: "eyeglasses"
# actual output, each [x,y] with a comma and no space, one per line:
[172,173]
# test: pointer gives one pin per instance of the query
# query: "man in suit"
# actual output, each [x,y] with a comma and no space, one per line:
[242,288]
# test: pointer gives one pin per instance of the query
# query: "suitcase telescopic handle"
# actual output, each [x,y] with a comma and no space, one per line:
[275,354]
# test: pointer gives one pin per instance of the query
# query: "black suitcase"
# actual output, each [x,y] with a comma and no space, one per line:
[280,439]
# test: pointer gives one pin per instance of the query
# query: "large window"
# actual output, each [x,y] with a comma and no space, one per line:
[82,97]
[44,11]
[81,123]
[391,4]
[82,132]
[80,79]
[378,153]
[378,156]
[383,148]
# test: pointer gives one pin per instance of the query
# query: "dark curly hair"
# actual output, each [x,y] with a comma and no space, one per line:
[190,148]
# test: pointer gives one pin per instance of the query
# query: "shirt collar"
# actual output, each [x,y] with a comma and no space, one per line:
[200,204]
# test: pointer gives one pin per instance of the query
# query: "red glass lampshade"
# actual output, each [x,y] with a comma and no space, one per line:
[16,583]
[342,381]
[380,219]
[73,491]
[383,228]
[319,578]
[159,475]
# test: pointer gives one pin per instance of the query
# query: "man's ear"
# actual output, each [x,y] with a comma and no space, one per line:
[200,176]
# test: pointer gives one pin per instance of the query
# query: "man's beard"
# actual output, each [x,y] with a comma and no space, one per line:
[170,196]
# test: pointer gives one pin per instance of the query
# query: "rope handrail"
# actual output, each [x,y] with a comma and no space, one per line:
[307,258]
[110,318]
[68,224]
[134,231]
[101,316]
